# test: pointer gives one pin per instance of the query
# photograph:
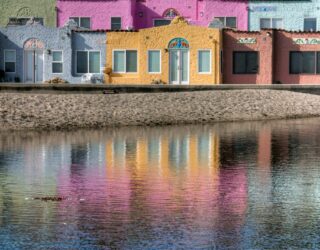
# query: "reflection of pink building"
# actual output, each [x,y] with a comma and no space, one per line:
[124,14]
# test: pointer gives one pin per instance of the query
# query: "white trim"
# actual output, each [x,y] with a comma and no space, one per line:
[125,61]
[198,64]
[115,17]
[52,62]
[88,66]
[160,57]
[15,60]
[80,20]
[271,22]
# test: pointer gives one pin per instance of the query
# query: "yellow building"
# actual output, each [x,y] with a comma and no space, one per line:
[175,54]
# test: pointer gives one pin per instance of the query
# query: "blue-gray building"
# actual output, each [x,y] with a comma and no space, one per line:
[290,15]
[35,53]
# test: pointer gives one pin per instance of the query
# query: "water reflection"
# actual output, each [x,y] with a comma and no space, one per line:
[236,186]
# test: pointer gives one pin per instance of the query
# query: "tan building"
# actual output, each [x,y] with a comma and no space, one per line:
[175,54]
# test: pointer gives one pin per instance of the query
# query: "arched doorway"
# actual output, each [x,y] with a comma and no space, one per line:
[33,60]
[178,61]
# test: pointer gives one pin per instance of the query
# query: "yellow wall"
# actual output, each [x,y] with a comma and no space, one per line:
[158,38]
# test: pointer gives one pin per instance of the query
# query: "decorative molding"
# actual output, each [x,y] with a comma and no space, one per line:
[247,40]
[33,44]
[178,43]
[306,41]
[24,12]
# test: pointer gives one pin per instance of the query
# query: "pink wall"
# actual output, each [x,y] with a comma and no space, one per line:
[264,45]
[100,12]
[142,14]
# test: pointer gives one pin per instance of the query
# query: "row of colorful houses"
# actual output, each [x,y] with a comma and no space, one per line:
[250,15]
[178,53]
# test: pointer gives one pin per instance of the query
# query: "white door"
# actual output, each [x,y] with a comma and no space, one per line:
[33,65]
[179,66]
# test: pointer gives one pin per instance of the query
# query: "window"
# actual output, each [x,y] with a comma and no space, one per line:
[10,61]
[23,20]
[230,22]
[115,23]
[271,23]
[310,24]
[304,62]
[125,61]
[57,62]
[245,62]
[204,61]
[154,61]
[88,62]
[161,22]
[83,22]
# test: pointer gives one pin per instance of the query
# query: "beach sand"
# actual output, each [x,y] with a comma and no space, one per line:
[70,111]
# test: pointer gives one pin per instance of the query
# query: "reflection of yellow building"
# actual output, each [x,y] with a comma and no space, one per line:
[176,54]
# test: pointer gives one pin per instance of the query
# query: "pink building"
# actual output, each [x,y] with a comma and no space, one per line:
[137,14]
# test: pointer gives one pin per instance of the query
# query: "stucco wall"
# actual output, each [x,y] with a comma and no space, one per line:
[54,39]
[142,14]
[292,12]
[263,45]
[28,8]
[159,38]
[99,11]
[283,45]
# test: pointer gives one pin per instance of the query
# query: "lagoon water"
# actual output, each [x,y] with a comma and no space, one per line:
[249,185]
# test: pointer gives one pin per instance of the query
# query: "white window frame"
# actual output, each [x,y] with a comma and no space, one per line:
[80,20]
[209,72]
[115,17]
[160,69]
[225,21]
[15,61]
[271,22]
[125,61]
[88,51]
[52,62]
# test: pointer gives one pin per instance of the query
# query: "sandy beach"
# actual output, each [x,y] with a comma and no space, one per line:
[69,111]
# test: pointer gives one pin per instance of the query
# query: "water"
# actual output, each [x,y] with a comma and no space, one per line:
[226,186]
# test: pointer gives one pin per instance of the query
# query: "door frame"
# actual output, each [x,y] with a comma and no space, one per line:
[25,65]
[179,82]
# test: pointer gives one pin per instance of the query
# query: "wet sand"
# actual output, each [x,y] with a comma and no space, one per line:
[70,111]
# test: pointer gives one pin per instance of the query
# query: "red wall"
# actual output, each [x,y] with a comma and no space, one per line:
[263,45]
[284,44]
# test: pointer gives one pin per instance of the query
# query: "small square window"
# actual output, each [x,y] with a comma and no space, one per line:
[310,24]
[116,23]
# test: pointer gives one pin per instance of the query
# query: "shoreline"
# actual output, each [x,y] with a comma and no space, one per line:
[34,111]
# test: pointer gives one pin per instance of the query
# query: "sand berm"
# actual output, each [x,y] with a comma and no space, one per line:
[69,111]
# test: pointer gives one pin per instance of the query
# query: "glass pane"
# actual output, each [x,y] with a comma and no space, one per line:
[118,61]
[295,63]
[308,62]
[82,62]
[318,62]
[204,61]
[10,67]
[57,56]
[277,23]
[94,62]
[154,61]
[239,63]
[222,20]
[231,22]
[85,22]
[310,24]
[184,64]
[10,56]
[76,19]
[252,62]
[116,23]
[161,22]
[265,23]
[56,67]
[131,61]
[174,66]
